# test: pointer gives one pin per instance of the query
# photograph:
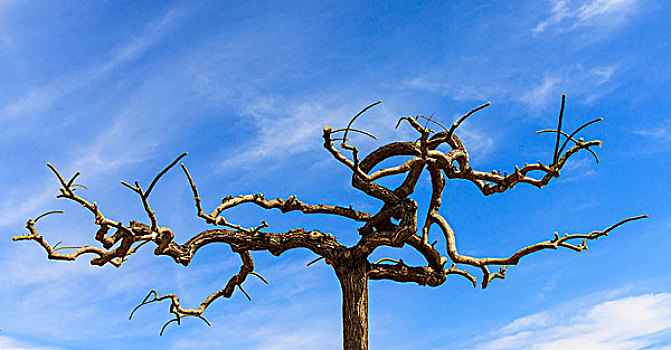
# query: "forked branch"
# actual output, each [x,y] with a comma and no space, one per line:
[180,312]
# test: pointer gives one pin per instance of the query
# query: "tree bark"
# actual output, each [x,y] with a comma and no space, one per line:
[354,285]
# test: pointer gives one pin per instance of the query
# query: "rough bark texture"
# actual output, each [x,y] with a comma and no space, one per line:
[354,286]
[395,224]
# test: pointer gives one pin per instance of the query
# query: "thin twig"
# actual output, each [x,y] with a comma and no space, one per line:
[73,179]
[48,213]
[433,121]
[151,186]
[356,130]
[357,116]
[427,119]
[259,276]
[561,149]
[244,291]
[561,117]
[461,120]
[315,260]
[577,142]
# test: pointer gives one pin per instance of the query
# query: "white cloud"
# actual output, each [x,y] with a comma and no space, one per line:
[152,33]
[279,132]
[627,323]
[284,128]
[43,97]
[579,167]
[479,144]
[283,132]
[560,11]
[537,91]
[660,132]
[588,83]
[570,15]
[453,89]
[540,94]
[8,343]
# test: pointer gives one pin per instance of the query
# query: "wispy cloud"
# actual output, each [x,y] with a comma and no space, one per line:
[579,168]
[124,135]
[589,83]
[282,132]
[660,132]
[41,98]
[285,128]
[626,323]
[8,343]
[40,289]
[453,89]
[540,94]
[570,15]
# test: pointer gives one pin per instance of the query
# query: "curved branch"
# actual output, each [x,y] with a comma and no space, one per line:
[429,119]
[144,196]
[356,130]
[464,117]
[165,170]
[344,145]
[68,193]
[514,259]
[48,213]
[176,308]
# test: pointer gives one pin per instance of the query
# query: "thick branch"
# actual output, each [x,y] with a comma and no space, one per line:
[422,275]
[323,244]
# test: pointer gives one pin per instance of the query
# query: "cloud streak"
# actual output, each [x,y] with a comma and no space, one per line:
[660,132]
[43,97]
[627,323]
[571,15]
[8,343]
[588,82]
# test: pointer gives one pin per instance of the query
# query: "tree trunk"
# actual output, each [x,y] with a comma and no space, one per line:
[354,285]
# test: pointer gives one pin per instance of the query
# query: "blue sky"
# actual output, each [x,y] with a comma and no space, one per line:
[117,89]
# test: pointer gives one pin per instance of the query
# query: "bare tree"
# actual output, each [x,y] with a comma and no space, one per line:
[351,264]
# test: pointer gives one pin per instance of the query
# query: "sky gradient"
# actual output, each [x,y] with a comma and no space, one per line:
[117,90]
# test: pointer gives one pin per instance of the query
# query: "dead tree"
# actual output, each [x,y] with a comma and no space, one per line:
[351,264]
